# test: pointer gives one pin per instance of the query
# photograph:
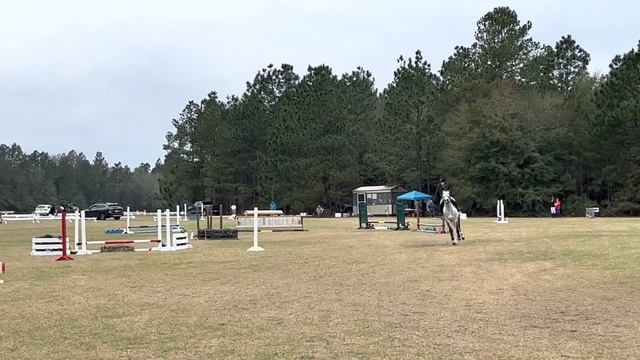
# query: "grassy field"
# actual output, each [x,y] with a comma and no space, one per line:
[530,289]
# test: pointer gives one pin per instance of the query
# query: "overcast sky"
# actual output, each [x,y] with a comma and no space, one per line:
[110,75]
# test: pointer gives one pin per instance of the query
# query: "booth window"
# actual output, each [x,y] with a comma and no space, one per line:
[379,199]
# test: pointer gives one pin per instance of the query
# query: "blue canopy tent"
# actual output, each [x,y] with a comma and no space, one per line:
[415,196]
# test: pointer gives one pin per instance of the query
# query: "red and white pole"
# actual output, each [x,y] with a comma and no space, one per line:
[64,256]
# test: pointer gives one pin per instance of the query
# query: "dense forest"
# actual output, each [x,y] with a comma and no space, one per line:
[39,178]
[504,117]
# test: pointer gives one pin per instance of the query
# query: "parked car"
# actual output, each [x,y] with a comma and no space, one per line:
[102,211]
[45,210]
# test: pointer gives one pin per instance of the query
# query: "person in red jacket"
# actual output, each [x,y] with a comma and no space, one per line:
[558,205]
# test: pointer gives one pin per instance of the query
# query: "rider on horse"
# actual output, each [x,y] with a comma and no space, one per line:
[438,195]
[443,186]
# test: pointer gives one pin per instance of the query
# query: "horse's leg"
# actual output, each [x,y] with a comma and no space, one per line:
[451,232]
[460,233]
[454,233]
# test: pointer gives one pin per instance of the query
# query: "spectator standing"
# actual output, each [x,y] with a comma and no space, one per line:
[558,205]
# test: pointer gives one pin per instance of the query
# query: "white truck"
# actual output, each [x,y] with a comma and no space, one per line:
[44,210]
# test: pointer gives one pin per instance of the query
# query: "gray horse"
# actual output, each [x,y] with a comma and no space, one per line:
[451,216]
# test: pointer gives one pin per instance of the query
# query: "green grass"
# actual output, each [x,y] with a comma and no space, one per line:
[530,289]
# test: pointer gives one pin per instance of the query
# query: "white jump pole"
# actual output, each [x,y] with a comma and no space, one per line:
[185,218]
[76,230]
[159,225]
[255,246]
[177,214]
[501,219]
[83,223]
[168,228]
[83,235]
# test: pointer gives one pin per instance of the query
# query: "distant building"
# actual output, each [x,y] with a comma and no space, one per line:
[381,200]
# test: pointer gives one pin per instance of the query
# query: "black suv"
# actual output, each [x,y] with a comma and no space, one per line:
[103,211]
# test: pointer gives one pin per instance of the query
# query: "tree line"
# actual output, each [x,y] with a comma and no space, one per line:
[27,180]
[505,117]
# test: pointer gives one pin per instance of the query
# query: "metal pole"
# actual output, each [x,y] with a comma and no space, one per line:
[220,216]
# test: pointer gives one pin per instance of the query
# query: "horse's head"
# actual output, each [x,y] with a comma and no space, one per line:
[445,196]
